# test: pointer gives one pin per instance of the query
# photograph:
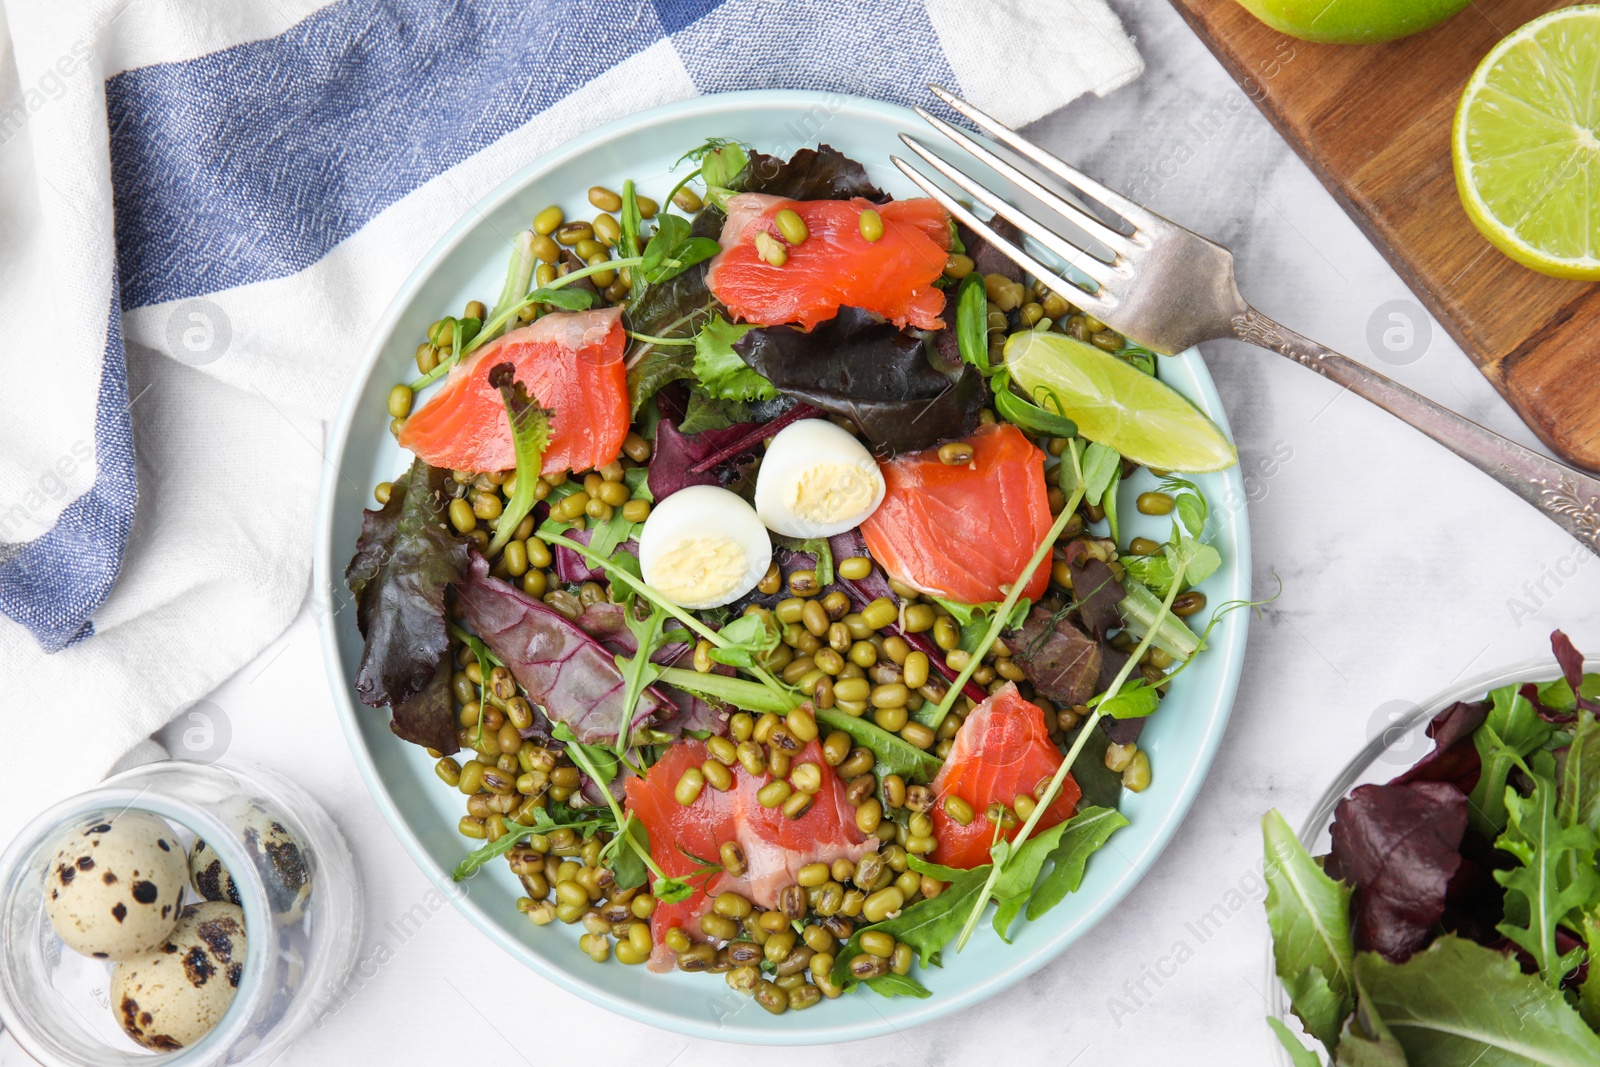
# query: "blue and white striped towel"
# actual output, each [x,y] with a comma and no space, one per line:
[205,204]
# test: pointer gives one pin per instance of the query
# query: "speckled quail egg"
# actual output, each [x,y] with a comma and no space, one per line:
[278,857]
[817,480]
[115,886]
[703,547]
[173,995]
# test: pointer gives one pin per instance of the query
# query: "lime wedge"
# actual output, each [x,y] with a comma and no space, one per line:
[1116,404]
[1526,144]
[1352,21]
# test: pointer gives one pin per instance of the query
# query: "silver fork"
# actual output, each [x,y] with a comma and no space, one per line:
[1169,288]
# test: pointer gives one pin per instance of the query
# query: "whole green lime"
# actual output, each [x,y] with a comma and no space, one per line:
[1352,21]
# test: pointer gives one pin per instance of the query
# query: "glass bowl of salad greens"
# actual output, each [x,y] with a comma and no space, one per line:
[721,625]
[1439,904]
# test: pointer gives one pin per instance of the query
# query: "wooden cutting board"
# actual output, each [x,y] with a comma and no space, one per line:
[1373,122]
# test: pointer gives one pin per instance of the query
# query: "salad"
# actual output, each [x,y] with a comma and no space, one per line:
[759,580]
[1454,920]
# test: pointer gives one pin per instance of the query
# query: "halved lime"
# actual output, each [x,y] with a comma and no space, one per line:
[1116,404]
[1526,144]
[1352,21]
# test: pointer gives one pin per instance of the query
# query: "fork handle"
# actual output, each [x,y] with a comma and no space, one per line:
[1569,498]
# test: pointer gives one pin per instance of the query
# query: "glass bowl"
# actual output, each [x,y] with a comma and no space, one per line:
[299,951]
[1399,740]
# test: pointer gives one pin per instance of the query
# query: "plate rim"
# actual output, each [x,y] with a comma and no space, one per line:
[1027,961]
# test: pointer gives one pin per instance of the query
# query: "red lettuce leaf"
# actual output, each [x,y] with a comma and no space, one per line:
[429,718]
[405,559]
[563,669]
[605,623]
[1454,758]
[821,173]
[1571,661]
[1098,593]
[1399,846]
[676,454]
[1061,661]
[988,259]
[868,371]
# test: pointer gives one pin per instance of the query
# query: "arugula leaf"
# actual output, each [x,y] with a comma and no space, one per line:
[626,863]
[1298,1053]
[530,436]
[605,537]
[672,250]
[893,754]
[1366,1040]
[567,298]
[1511,732]
[1030,416]
[898,985]
[1134,701]
[1081,836]
[601,763]
[1101,465]
[1015,884]
[543,823]
[1556,875]
[1457,1002]
[1579,799]
[740,692]
[750,638]
[1309,915]
[927,926]
[638,672]
[722,373]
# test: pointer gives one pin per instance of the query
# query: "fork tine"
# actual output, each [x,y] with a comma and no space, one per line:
[1072,212]
[1093,303]
[1135,213]
[1101,271]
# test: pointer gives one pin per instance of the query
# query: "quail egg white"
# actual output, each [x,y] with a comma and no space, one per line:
[115,886]
[703,547]
[173,995]
[278,857]
[817,480]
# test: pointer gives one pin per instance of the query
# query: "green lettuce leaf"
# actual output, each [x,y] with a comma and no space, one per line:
[1589,995]
[722,373]
[1579,799]
[1299,1055]
[1457,1002]
[1366,1040]
[1309,916]
[530,436]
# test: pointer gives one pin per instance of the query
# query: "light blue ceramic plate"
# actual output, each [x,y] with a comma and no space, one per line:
[469,263]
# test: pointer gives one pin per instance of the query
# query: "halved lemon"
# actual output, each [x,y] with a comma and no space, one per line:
[1526,144]
[1116,404]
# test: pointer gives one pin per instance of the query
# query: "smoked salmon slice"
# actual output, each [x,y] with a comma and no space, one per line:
[775,846]
[1003,749]
[835,266]
[964,532]
[569,361]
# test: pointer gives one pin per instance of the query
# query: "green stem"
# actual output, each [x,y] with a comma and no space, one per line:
[617,574]
[1048,797]
[649,340]
[687,178]
[1003,613]
[490,328]
[581,758]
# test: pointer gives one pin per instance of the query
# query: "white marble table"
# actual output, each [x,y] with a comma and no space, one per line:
[1403,570]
